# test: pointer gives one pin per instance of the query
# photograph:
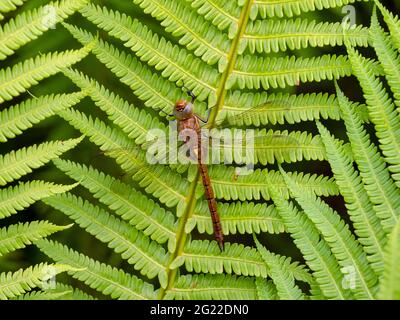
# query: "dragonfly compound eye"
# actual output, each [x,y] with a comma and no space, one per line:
[183,110]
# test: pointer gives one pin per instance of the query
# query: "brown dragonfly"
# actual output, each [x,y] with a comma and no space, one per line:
[187,120]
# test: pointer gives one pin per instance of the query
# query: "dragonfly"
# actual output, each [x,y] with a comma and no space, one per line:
[187,120]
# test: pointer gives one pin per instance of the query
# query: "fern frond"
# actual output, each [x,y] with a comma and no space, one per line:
[266,289]
[382,112]
[222,14]
[19,282]
[72,293]
[156,92]
[315,249]
[390,283]
[10,5]
[59,292]
[259,109]
[272,8]
[192,30]
[381,190]
[143,213]
[393,23]
[135,247]
[44,295]
[237,217]
[281,35]
[255,185]
[206,257]
[13,199]
[29,25]
[176,64]
[267,146]
[344,246]
[17,236]
[23,75]
[99,276]
[135,122]
[17,163]
[205,286]
[388,57]
[258,72]
[164,184]
[365,221]
[16,119]
[283,280]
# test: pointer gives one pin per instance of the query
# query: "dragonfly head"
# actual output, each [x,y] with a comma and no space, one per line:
[183,109]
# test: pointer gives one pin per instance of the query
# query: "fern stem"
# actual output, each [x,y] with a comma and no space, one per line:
[221,93]
[180,236]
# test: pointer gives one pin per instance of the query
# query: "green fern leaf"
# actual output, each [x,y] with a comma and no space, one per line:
[257,109]
[23,75]
[222,14]
[344,246]
[59,292]
[283,280]
[13,199]
[135,247]
[237,217]
[315,250]
[257,72]
[21,162]
[281,35]
[157,52]
[390,283]
[14,284]
[388,57]
[206,257]
[44,295]
[205,286]
[17,236]
[192,29]
[366,223]
[16,119]
[9,5]
[131,205]
[110,281]
[72,293]
[29,25]
[382,112]
[271,8]
[381,190]
[255,185]
[266,289]
[135,122]
[269,146]
[393,23]
[164,184]
[155,91]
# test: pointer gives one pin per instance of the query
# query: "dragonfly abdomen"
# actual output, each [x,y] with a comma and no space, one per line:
[209,193]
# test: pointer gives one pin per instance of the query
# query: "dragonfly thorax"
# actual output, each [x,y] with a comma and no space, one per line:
[183,109]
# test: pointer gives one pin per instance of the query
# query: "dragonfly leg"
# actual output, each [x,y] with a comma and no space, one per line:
[168,115]
[208,117]
[190,93]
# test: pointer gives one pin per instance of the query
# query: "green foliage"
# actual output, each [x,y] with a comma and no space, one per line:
[389,289]
[226,52]
[15,80]
[98,275]
[19,282]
